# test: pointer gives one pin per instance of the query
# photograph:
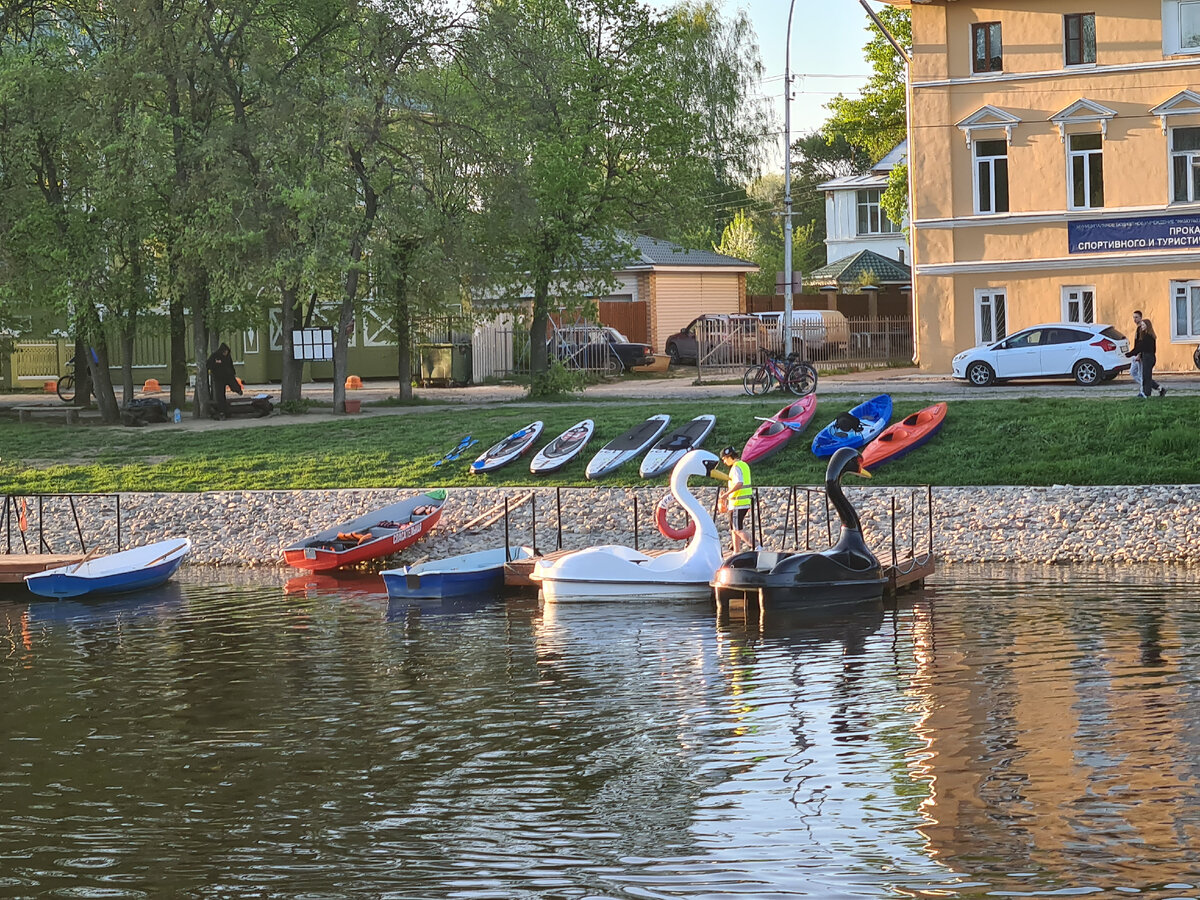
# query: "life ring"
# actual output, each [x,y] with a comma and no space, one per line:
[665,528]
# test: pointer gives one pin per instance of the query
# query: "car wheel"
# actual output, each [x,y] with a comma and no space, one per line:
[673,352]
[612,365]
[980,374]
[1087,371]
[1196,358]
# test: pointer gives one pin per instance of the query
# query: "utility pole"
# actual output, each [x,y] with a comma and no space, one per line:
[787,185]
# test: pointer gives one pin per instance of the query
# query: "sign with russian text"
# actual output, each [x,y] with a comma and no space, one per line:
[1142,233]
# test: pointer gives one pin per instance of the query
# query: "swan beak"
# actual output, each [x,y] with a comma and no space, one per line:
[709,465]
[863,472]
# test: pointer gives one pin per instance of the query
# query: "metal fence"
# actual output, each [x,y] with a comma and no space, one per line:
[856,343]
[502,349]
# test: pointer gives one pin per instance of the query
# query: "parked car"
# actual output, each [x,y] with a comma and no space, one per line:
[728,337]
[816,333]
[601,348]
[1088,353]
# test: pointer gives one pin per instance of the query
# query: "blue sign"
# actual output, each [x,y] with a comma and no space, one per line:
[1143,233]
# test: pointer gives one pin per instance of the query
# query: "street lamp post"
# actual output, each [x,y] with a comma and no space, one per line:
[787,185]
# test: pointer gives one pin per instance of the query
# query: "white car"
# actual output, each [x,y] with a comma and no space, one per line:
[1088,353]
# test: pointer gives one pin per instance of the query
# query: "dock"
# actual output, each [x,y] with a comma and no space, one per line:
[15,566]
[909,573]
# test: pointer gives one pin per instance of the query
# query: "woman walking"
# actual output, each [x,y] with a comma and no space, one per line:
[1145,348]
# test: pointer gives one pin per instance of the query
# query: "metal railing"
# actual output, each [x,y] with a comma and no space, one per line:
[57,523]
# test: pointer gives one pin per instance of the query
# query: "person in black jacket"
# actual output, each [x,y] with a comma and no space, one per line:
[220,369]
[1145,348]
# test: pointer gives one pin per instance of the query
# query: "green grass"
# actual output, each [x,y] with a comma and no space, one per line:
[1036,441]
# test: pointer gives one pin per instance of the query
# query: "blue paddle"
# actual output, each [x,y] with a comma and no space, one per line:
[466,443]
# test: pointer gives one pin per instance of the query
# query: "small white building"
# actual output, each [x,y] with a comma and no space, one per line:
[854,218]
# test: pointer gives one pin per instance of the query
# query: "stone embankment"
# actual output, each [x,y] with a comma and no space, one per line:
[1113,525]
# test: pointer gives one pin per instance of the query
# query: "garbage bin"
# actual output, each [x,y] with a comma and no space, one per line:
[445,363]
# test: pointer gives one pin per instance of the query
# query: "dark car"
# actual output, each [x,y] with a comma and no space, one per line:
[726,338]
[602,349]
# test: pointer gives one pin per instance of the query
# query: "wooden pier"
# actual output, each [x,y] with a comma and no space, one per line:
[15,566]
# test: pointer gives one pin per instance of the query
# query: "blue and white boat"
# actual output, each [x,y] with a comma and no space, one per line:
[856,428]
[129,570]
[455,576]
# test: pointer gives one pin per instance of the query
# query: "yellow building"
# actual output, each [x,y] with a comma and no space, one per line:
[1055,172]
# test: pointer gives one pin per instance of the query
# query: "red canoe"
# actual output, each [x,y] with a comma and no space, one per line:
[773,434]
[907,434]
[379,533]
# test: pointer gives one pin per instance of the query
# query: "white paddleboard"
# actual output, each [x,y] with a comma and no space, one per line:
[563,448]
[624,448]
[505,451]
[671,447]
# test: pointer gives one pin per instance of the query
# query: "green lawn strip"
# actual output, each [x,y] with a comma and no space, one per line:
[1033,441]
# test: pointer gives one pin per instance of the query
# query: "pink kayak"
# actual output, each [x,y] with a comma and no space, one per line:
[773,434]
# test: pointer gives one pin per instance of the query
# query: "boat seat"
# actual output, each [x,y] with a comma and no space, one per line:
[767,560]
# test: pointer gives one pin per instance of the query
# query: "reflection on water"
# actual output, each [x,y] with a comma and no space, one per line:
[1005,733]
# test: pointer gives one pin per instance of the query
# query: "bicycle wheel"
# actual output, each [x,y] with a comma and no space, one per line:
[801,379]
[66,388]
[757,380]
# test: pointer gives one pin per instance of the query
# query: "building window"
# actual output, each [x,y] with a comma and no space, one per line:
[1078,304]
[1085,157]
[991,314]
[1189,24]
[1185,165]
[871,217]
[991,176]
[987,55]
[1185,310]
[1079,38]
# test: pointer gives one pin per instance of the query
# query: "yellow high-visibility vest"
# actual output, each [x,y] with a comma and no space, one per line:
[740,498]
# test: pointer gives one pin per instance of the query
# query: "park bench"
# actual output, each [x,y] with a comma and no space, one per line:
[69,413]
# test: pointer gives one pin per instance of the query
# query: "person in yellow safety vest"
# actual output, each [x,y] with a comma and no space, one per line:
[738,496]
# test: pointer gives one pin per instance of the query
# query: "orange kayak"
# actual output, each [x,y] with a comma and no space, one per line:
[907,434]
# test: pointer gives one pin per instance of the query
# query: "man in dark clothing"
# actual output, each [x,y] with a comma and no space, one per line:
[222,376]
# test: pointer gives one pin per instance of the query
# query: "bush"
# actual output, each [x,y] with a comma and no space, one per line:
[556,381]
[297,407]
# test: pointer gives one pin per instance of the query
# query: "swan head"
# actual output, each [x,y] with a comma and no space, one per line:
[845,461]
[695,462]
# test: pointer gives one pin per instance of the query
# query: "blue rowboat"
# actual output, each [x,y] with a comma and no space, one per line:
[455,576]
[855,429]
[129,570]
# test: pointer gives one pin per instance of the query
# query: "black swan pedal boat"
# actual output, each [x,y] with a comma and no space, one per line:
[846,573]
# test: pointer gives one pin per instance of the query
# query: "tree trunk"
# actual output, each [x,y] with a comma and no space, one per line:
[83,374]
[178,372]
[197,293]
[538,356]
[403,329]
[106,399]
[127,386]
[293,369]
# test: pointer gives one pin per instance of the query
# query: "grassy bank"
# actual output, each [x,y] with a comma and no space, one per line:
[1036,441]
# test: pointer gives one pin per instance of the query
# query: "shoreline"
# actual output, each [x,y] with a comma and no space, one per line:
[1122,525]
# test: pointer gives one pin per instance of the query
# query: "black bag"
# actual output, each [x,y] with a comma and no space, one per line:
[143,411]
[848,422]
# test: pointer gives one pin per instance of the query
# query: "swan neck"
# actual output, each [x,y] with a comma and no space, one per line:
[846,512]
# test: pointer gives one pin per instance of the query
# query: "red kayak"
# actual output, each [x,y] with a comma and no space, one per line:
[379,533]
[773,434]
[907,434]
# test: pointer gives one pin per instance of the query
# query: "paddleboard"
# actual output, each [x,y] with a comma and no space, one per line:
[671,447]
[505,451]
[627,446]
[563,448]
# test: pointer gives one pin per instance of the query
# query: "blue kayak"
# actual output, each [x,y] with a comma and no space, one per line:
[856,428]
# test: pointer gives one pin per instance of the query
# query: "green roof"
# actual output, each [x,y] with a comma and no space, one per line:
[863,267]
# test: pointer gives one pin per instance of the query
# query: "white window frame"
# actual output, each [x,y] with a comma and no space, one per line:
[987,302]
[1172,27]
[871,200]
[1193,166]
[1086,156]
[1185,299]
[976,159]
[1075,295]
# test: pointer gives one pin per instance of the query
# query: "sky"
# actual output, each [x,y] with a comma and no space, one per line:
[826,58]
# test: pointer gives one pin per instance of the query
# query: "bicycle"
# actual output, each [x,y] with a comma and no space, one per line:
[65,386]
[791,375]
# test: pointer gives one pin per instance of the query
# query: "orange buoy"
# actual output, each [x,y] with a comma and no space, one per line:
[151,386]
[353,383]
[665,528]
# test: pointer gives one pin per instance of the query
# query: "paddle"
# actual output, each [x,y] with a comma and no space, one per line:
[792,425]
[164,556]
[90,554]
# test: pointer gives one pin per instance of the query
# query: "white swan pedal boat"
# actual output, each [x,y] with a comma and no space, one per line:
[616,572]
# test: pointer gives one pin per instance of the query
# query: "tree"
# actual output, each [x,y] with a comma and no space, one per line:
[876,120]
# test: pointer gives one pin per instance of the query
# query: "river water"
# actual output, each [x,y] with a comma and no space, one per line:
[1005,732]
